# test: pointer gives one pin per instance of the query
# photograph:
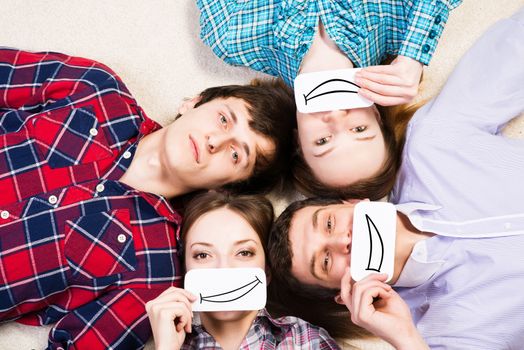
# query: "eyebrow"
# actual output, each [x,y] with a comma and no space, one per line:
[201,243]
[314,218]
[236,243]
[366,138]
[235,121]
[312,263]
[321,154]
[245,241]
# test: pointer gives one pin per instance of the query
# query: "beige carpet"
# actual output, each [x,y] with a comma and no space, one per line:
[153,45]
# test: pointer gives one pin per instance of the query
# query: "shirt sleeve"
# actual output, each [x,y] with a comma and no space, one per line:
[240,32]
[215,17]
[486,88]
[117,320]
[426,20]
[33,81]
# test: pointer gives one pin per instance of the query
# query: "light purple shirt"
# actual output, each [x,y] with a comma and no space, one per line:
[463,181]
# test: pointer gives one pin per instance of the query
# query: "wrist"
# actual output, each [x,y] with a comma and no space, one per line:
[412,341]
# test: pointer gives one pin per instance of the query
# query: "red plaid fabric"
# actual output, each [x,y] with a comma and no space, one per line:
[77,247]
[285,333]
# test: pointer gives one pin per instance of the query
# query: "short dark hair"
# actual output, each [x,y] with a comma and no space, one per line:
[271,105]
[255,209]
[374,188]
[289,296]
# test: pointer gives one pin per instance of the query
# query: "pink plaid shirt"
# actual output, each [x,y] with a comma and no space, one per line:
[285,333]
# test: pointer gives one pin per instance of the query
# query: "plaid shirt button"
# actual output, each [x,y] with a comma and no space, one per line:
[4,214]
[93,132]
[121,238]
[100,188]
[127,155]
[53,199]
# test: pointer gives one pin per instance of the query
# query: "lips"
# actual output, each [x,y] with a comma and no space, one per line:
[194,149]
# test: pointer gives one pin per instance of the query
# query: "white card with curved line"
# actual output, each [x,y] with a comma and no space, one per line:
[373,239]
[230,289]
[328,90]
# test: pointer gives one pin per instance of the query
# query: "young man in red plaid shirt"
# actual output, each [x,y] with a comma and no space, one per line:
[87,230]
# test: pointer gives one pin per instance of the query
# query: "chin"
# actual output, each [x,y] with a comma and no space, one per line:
[228,315]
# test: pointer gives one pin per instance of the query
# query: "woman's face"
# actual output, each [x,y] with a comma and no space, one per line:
[223,239]
[342,146]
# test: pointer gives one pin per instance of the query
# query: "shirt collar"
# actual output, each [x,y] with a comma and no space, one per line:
[419,267]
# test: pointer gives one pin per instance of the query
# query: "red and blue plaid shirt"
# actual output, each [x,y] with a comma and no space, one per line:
[285,333]
[77,247]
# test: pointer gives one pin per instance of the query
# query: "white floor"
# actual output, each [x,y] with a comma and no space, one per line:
[153,45]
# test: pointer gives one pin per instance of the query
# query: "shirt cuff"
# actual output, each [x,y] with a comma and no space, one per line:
[425,28]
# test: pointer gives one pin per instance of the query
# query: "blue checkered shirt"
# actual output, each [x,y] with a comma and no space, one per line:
[272,36]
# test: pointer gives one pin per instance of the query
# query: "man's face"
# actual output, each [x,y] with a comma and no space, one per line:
[212,145]
[320,239]
[343,146]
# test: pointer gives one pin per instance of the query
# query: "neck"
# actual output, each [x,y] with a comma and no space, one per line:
[229,333]
[147,173]
[407,237]
[324,54]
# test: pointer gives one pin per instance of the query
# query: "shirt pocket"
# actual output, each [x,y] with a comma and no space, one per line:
[99,245]
[67,137]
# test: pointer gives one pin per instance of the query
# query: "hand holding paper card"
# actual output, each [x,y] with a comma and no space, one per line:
[373,240]
[231,289]
[328,90]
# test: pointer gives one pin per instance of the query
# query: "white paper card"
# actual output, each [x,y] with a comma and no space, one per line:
[373,239]
[328,90]
[231,289]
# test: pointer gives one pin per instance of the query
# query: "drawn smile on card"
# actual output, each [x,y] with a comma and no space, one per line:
[331,86]
[231,295]
[376,247]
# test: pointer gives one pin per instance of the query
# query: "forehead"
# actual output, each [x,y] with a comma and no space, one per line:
[221,226]
[300,230]
[263,143]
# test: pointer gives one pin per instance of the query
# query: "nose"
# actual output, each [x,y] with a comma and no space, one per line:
[341,243]
[217,141]
[332,116]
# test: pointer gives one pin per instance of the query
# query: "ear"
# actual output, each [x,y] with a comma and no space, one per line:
[338,299]
[189,104]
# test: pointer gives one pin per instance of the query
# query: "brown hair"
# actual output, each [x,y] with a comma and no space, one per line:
[393,124]
[271,105]
[288,296]
[256,210]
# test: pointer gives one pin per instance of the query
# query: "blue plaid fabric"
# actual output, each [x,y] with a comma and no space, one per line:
[272,36]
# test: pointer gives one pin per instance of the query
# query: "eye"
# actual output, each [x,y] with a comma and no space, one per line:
[246,253]
[325,263]
[223,120]
[234,155]
[360,128]
[330,224]
[200,256]
[322,141]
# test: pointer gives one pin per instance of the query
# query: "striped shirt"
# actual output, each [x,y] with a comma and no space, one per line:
[462,180]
